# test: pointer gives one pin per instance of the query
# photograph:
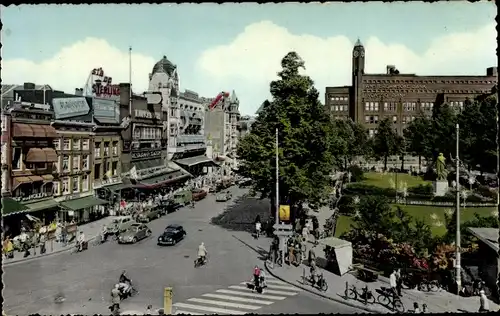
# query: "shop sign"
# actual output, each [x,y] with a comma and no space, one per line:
[106,108]
[102,85]
[146,154]
[70,107]
[147,114]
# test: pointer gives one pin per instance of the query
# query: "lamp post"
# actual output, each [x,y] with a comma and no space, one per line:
[458,268]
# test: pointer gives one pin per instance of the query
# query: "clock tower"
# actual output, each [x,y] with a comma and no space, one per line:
[358,70]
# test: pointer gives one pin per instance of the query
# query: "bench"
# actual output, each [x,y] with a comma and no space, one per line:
[366,273]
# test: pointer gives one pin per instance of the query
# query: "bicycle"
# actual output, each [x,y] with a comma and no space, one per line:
[389,299]
[367,295]
[270,259]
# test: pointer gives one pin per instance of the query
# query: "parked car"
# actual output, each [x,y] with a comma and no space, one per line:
[134,233]
[223,196]
[148,215]
[199,194]
[182,198]
[172,235]
[119,224]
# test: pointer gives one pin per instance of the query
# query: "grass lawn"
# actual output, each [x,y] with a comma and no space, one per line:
[384,180]
[432,215]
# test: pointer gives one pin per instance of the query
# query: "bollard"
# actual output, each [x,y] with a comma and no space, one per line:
[167,301]
[51,245]
[304,275]
[365,293]
[346,290]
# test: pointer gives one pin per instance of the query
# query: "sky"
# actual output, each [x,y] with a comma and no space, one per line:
[239,47]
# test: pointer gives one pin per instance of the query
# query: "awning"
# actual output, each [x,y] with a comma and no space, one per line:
[146,164]
[158,181]
[118,186]
[33,130]
[47,177]
[11,206]
[81,203]
[20,180]
[41,205]
[196,160]
[41,155]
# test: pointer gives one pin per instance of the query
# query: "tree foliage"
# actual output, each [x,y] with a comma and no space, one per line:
[305,137]
[386,141]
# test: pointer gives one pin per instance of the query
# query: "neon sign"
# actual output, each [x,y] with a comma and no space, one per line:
[102,85]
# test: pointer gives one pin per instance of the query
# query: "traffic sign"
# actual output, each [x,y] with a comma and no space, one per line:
[284,212]
[282,227]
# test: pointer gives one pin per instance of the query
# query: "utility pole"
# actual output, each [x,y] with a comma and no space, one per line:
[457,242]
[130,80]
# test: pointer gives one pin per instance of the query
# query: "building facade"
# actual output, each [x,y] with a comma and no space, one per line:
[144,154]
[73,185]
[398,96]
[222,131]
[28,161]
[245,126]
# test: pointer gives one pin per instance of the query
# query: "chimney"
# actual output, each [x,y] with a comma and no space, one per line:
[492,71]
[29,86]
[124,93]
[390,69]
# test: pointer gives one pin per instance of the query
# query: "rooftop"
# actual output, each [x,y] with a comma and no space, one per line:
[487,235]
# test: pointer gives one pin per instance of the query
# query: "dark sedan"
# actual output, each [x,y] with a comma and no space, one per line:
[172,235]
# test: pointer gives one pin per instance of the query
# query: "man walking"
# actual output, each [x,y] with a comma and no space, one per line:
[115,299]
[393,283]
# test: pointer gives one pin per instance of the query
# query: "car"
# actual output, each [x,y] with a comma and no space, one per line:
[134,233]
[172,235]
[223,196]
[148,215]
[119,224]
[199,194]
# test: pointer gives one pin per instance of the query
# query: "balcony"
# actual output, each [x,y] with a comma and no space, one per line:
[32,197]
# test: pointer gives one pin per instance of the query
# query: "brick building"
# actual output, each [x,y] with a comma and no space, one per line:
[399,96]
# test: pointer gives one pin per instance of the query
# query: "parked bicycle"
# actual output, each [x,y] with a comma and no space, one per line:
[366,295]
[319,283]
[389,299]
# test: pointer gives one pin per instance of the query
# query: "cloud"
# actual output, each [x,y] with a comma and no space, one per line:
[252,59]
[70,67]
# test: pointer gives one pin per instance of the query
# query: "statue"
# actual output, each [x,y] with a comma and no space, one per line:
[441,171]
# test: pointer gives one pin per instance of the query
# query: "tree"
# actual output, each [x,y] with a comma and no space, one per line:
[349,142]
[385,141]
[304,141]
[486,133]
[443,130]
[418,137]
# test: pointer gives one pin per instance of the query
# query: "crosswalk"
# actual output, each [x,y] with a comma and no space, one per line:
[236,299]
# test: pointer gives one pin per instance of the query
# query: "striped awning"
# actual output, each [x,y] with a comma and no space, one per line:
[33,130]
[17,181]
[47,177]
[41,155]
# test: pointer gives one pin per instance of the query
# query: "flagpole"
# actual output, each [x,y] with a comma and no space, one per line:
[130,79]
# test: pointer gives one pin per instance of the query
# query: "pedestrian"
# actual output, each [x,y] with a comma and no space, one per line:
[43,235]
[392,281]
[399,282]
[115,299]
[311,257]
[483,301]
[291,254]
[416,310]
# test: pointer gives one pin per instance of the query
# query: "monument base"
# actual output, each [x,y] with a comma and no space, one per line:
[440,187]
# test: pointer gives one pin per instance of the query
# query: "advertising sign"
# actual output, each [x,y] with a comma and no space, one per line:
[284,212]
[106,108]
[146,154]
[70,107]
[102,84]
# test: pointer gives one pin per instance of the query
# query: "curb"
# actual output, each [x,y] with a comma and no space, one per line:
[344,302]
[24,260]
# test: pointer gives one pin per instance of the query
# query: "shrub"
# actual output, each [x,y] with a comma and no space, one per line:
[421,189]
[356,173]
[346,205]
[485,191]
[366,189]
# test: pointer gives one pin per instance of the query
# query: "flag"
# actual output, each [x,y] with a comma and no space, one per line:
[133,173]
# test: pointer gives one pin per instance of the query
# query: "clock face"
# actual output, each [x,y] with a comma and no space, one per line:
[355,53]
[362,54]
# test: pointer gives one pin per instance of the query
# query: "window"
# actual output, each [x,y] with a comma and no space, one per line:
[76,144]
[57,144]
[373,119]
[115,148]
[65,186]
[137,132]
[85,162]
[336,108]
[409,106]
[367,106]
[367,119]
[97,171]
[66,144]
[332,108]
[114,168]
[394,119]
[97,150]
[65,163]
[75,184]
[16,158]
[376,106]
[85,183]
[85,144]
[56,186]
[76,163]
[371,132]
[106,149]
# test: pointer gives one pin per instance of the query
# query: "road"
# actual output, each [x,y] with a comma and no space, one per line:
[86,278]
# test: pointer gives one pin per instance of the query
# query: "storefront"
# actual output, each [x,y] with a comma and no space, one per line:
[82,210]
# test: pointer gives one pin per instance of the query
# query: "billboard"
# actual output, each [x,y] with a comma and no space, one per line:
[106,109]
[70,107]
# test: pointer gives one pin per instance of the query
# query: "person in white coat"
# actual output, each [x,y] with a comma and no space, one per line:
[483,300]
[393,282]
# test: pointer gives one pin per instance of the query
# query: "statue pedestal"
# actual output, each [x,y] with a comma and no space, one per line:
[440,187]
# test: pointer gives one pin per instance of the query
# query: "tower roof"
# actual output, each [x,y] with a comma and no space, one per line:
[358,43]
[234,98]
[164,65]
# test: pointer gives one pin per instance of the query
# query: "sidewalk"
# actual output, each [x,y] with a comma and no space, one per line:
[437,302]
[91,230]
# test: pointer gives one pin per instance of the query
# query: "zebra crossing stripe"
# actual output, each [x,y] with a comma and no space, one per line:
[276,282]
[281,287]
[218,303]
[263,295]
[209,309]
[237,287]
[186,313]
[238,299]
